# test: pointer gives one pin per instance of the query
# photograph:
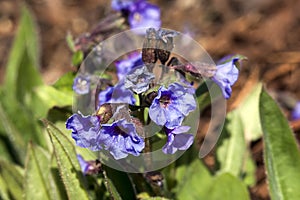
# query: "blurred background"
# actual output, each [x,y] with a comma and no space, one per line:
[267,32]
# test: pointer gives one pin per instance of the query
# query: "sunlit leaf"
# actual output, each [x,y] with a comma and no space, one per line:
[77,58]
[232,146]
[193,181]
[37,174]
[22,68]
[281,154]
[227,187]
[249,112]
[67,162]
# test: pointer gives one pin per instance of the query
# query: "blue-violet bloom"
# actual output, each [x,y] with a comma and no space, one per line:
[85,131]
[84,165]
[225,76]
[116,94]
[126,65]
[138,79]
[81,84]
[143,15]
[120,139]
[177,139]
[122,4]
[296,111]
[171,105]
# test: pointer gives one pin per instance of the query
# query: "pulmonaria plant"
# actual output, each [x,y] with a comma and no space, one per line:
[81,84]
[140,97]
[171,105]
[226,75]
[119,138]
[141,14]
[126,65]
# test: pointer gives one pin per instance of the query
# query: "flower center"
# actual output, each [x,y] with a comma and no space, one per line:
[164,101]
[137,17]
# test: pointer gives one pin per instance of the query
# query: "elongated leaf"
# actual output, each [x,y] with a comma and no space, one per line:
[193,181]
[37,174]
[249,112]
[23,59]
[227,187]
[68,165]
[232,147]
[13,178]
[13,135]
[281,154]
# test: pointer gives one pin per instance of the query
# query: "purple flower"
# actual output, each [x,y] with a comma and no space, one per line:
[143,15]
[124,66]
[138,79]
[121,4]
[89,167]
[225,76]
[121,139]
[171,105]
[116,94]
[81,84]
[85,131]
[178,139]
[296,111]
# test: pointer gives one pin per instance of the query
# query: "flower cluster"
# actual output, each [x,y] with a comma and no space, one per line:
[117,125]
[141,14]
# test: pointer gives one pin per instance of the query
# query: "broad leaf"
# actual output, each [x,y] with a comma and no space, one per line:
[37,173]
[231,146]
[227,187]
[249,112]
[193,181]
[281,154]
[67,162]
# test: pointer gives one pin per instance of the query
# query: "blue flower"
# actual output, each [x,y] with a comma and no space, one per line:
[89,167]
[138,79]
[296,112]
[225,76]
[171,105]
[121,4]
[116,94]
[81,84]
[143,15]
[126,65]
[120,139]
[85,131]
[178,139]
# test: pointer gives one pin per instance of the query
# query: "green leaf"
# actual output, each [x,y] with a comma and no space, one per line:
[70,41]
[23,59]
[120,184]
[14,136]
[68,165]
[281,154]
[249,112]
[37,174]
[65,82]
[227,187]
[13,178]
[193,181]
[249,170]
[45,97]
[231,146]
[77,58]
